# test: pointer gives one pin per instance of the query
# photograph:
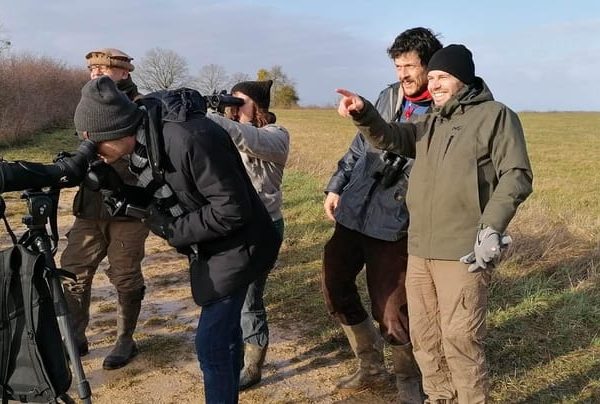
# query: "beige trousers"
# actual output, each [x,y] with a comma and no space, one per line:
[447,310]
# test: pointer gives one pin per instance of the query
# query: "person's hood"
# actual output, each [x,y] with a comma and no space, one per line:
[475,93]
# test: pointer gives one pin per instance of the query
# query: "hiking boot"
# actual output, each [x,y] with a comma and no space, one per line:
[367,345]
[408,376]
[254,357]
[128,311]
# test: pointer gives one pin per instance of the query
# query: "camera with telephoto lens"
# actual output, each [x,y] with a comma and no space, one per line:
[68,170]
[219,101]
[392,169]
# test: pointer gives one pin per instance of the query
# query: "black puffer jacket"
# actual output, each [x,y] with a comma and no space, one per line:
[225,217]
[365,204]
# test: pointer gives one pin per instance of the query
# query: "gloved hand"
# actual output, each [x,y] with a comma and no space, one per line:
[488,247]
[102,176]
[73,166]
[158,222]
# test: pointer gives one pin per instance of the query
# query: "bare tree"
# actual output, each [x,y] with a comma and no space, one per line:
[212,78]
[161,69]
[4,43]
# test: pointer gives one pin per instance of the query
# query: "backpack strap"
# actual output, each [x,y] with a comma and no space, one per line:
[6,344]
[30,262]
[154,145]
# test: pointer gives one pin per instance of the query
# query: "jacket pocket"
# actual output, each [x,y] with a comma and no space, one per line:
[200,282]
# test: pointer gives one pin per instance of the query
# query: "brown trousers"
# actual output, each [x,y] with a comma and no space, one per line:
[89,241]
[345,255]
[447,307]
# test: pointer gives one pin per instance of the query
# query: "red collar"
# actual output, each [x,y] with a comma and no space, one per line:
[424,96]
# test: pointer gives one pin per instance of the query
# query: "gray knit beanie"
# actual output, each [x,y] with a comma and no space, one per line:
[104,112]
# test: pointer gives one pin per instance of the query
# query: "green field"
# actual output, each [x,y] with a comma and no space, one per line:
[544,320]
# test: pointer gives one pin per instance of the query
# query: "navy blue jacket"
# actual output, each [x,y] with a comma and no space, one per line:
[365,204]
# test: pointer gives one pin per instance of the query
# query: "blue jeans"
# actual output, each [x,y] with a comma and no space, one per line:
[219,348]
[255,329]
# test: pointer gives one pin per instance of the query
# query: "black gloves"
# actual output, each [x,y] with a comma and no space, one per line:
[158,222]
[117,196]
[73,166]
[103,177]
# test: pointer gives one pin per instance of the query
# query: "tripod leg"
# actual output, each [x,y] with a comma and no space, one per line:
[66,330]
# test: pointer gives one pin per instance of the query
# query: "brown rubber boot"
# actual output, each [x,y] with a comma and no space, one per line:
[408,376]
[254,357]
[367,346]
[128,311]
[78,298]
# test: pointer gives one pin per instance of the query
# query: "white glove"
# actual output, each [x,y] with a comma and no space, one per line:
[489,244]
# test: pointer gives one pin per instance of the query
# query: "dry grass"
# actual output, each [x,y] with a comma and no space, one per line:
[544,321]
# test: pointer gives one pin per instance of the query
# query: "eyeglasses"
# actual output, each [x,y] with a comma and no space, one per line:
[100,68]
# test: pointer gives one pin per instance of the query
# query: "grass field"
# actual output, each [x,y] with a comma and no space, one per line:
[544,318]
[543,341]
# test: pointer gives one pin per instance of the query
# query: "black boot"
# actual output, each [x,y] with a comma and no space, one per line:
[125,349]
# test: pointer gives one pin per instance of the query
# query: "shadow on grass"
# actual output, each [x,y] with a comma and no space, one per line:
[565,389]
[545,304]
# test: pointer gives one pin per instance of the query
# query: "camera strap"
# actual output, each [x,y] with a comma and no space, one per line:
[6,224]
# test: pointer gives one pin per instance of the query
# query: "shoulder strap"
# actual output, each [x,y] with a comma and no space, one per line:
[153,133]
[6,342]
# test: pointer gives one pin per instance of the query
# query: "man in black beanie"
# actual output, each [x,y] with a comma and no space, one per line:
[471,172]
[205,206]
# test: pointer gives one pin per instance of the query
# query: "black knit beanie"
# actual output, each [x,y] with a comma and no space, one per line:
[456,60]
[258,91]
[104,112]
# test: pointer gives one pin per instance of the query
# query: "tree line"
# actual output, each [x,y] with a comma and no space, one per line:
[40,93]
[163,69]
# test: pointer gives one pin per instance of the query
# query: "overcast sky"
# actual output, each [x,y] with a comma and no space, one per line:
[534,54]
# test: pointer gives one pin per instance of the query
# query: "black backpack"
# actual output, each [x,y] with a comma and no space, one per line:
[33,361]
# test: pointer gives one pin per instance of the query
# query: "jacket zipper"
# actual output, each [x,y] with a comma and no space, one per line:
[448,145]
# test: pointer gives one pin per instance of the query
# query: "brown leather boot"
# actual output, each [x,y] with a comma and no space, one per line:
[128,311]
[408,376]
[367,346]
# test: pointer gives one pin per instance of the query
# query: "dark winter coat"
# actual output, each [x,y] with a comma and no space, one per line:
[224,215]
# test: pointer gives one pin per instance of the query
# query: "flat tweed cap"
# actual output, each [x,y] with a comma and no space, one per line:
[110,57]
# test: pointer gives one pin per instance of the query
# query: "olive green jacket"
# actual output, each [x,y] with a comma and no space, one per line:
[471,168]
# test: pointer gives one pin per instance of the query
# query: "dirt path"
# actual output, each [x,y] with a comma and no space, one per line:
[166,371]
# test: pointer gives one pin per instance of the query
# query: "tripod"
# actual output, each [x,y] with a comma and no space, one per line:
[42,207]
